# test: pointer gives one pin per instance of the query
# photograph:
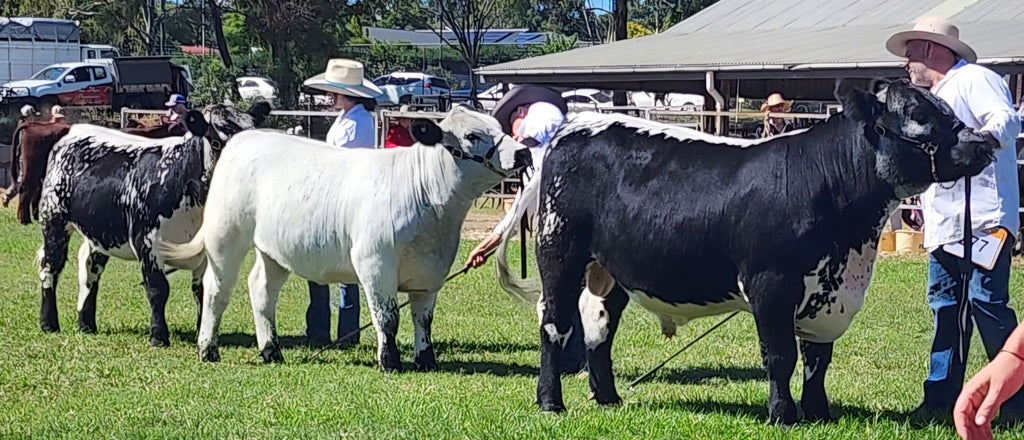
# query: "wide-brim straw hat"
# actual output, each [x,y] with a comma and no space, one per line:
[344,77]
[932,29]
[525,94]
[776,99]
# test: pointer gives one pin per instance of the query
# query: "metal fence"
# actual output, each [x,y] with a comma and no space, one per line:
[384,118]
[317,122]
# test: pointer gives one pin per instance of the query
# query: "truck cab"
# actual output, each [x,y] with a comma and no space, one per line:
[99,51]
[135,82]
[67,84]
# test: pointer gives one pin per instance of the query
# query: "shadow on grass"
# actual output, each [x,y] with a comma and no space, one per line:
[760,412]
[473,347]
[245,340]
[467,368]
[699,375]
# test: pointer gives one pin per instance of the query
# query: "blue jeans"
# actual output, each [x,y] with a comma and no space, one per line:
[348,311]
[988,308]
[318,314]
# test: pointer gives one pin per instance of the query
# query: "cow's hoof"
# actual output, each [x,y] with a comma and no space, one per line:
[552,407]
[812,417]
[48,327]
[211,354]
[606,400]
[272,355]
[782,419]
[87,328]
[389,369]
[426,361]
[390,361]
[159,341]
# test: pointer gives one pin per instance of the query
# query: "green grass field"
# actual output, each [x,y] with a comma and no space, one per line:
[113,385]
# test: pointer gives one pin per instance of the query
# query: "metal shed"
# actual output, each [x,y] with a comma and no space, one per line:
[798,47]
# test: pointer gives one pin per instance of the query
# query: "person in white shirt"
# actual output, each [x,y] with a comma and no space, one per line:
[531,114]
[353,128]
[939,61]
[533,125]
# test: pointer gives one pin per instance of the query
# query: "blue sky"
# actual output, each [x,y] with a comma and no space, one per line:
[604,4]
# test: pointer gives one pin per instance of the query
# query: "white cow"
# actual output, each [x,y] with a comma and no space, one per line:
[389,220]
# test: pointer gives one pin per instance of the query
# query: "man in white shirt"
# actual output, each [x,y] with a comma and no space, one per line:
[938,60]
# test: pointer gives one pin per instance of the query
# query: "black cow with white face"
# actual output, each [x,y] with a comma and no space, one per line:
[689,227]
[123,193]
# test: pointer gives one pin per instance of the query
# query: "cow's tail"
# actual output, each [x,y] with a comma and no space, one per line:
[185,256]
[525,289]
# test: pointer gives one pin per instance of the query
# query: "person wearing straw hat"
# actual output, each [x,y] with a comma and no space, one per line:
[938,60]
[773,126]
[354,96]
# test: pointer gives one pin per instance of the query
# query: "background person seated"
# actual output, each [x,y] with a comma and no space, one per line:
[398,134]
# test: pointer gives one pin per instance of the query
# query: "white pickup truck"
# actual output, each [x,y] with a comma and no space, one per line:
[134,82]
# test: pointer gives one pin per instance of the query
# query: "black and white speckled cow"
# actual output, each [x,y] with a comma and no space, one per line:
[122,193]
[786,229]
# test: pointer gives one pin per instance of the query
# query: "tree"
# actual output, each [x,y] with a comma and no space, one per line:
[301,35]
[637,30]
[555,43]
[660,15]
[468,21]
[217,24]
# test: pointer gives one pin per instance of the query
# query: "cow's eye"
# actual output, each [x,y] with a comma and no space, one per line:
[473,137]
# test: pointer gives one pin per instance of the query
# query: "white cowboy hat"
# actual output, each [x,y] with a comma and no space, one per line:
[936,30]
[776,99]
[344,77]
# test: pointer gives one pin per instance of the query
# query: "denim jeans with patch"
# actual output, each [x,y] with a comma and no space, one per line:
[318,314]
[988,309]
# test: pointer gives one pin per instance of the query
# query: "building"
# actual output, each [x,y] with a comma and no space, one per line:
[750,48]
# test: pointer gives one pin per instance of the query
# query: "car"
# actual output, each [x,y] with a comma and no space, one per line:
[579,100]
[402,87]
[252,87]
[685,101]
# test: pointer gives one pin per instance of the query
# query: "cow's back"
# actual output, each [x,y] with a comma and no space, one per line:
[115,187]
[306,203]
[684,225]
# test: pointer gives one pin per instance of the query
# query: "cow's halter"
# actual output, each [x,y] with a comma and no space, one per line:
[966,264]
[928,147]
[459,154]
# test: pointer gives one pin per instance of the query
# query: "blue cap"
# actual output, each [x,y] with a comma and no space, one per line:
[175,100]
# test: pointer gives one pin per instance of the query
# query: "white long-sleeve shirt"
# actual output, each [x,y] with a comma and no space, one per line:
[353,129]
[981,99]
[540,124]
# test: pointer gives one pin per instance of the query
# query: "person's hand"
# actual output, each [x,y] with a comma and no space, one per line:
[984,393]
[477,257]
[990,138]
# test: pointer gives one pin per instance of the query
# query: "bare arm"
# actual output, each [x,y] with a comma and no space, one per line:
[986,391]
